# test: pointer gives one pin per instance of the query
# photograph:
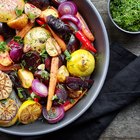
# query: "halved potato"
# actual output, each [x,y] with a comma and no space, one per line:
[36,39]
[19,22]
[8,8]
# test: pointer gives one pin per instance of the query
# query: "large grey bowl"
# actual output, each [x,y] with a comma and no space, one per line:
[96,24]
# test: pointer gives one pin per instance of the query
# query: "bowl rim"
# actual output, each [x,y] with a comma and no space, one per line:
[106,65]
[110,16]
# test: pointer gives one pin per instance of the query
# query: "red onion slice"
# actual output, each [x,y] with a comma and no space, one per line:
[73,19]
[39,88]
[67,7]
[56,114]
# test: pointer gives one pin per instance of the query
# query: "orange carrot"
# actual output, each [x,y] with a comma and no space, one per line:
[85,28]
[53,81]
[58,39]
[25,30]
[70,105]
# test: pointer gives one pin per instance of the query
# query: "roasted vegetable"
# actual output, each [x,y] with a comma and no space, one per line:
[62,74]
[75,83]
[31,11]
[57,25]
[5,86]
[36,39]
[26,78]
[9,9]
[82,63]
[8,112]
[49,11]
[19,22]
[31,60]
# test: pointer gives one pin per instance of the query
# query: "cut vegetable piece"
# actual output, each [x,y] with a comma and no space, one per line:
[52,47]
[32,11]
[53,81]
[25,30]
[69,104]
[36,39]
[8,8]
[39,88]
[54,115]
[5,86]
[8,112]
[29,112]
[67,7]
[19,22]
[26,77]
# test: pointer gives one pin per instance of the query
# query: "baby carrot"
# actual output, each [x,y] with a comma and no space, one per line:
[53,81]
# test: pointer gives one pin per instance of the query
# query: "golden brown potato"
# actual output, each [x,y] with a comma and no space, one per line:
[8,9]
[19,22]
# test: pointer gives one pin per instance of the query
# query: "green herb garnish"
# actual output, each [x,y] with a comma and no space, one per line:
[126,14]
[72,101]
[3,46]
[31,16]
[18,39]
[45,75]
[18,11]
[20,90]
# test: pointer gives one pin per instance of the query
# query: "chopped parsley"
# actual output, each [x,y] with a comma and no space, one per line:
[31,16]
[3,46]
[18,39]
[126,13]
[18,11]
[45,75]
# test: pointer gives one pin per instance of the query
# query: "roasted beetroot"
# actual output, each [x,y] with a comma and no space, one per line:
[31,60]
[41,4]
[76,83]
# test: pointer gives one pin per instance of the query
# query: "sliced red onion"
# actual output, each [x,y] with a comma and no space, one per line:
[67,7]
[73,19]
[56,114]
[39,88]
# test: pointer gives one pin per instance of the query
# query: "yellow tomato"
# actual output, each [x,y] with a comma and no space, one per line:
[82,63]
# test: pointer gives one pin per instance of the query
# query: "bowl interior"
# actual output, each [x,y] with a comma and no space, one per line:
[96,25]
[110,16]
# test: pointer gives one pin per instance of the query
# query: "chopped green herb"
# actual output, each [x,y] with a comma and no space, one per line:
[54,97]
[3,46]
[20,90]
[18,11]
[126,13]
[72,101]
[67,54]
[45,75]
[18,39]
[31,16]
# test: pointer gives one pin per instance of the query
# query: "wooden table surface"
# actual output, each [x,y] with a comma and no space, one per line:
[126,125]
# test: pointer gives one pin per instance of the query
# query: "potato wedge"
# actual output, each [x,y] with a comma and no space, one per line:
[8,9]
[18,23]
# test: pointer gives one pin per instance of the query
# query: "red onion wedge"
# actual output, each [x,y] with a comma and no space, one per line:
[39,88]
[67,7]
[73,19]
[56,114]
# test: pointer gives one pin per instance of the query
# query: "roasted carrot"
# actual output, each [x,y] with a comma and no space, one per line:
[70,105]
[25,30]
[53,81]
[85,28]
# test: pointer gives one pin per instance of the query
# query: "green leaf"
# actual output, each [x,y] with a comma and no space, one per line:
[31,16]
[18,11]
[3,46]
[18,39]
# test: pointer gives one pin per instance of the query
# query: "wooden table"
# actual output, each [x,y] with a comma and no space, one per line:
[127,124]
